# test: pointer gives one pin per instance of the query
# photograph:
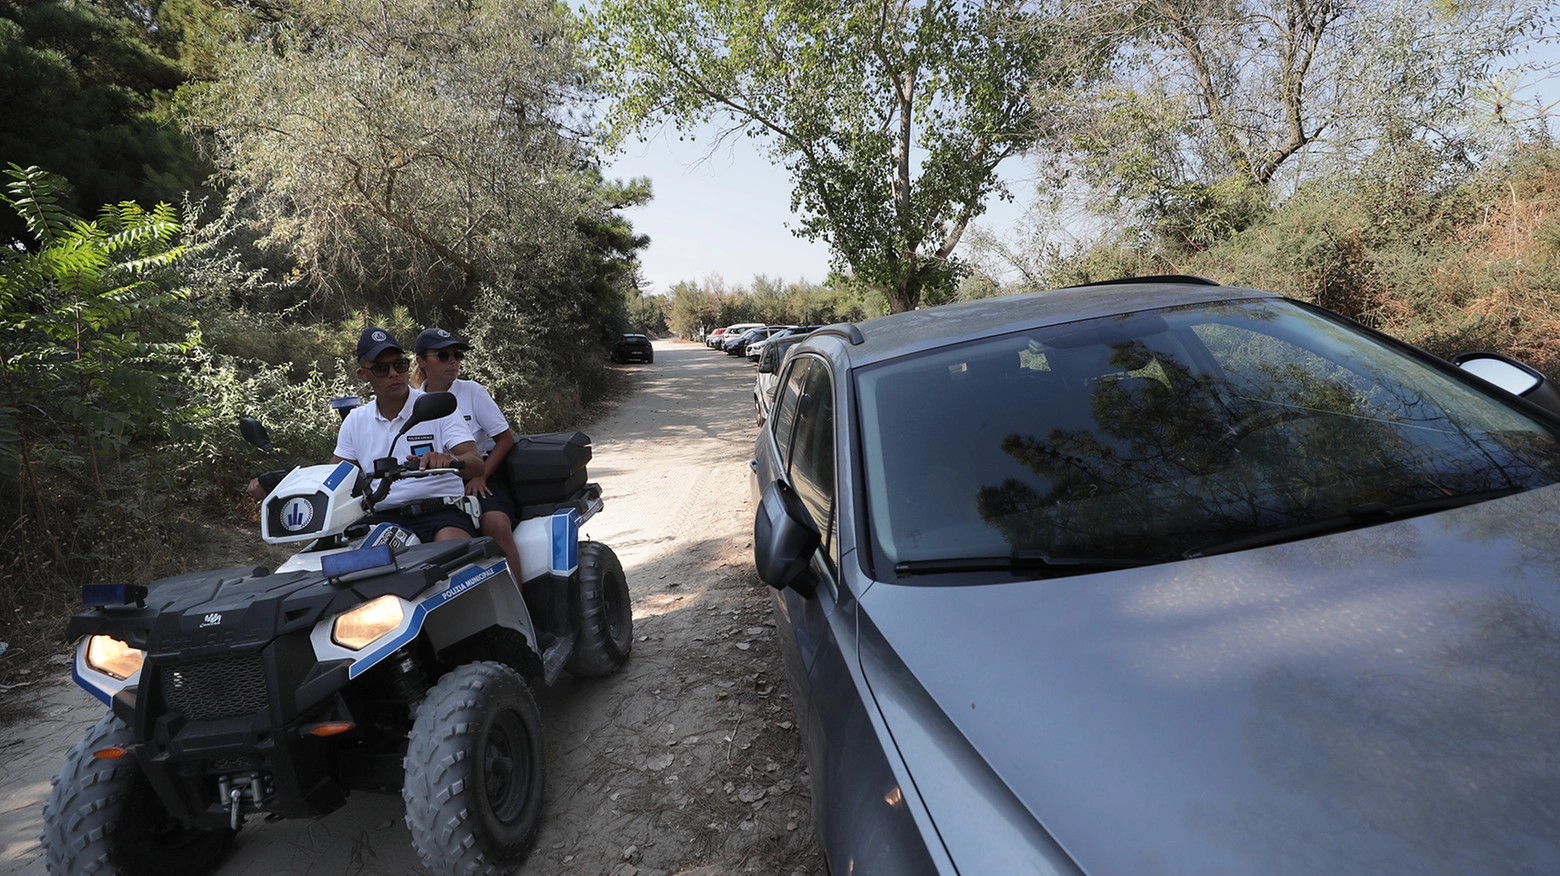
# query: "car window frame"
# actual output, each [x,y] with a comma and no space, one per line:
[795,369]
[819,372]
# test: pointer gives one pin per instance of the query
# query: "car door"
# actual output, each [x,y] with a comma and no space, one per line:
[860,829]
[803,455]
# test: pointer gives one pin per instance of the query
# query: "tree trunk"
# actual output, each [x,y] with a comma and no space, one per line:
[906,295]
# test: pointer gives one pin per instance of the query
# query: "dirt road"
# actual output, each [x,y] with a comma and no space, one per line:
[686,762]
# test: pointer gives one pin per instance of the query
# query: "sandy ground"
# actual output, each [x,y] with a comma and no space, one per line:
[687,762]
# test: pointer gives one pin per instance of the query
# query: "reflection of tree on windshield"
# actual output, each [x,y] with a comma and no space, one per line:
[1450,768]
[1181,459]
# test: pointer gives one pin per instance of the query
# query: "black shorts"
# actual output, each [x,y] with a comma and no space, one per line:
[428,524]
[501,500]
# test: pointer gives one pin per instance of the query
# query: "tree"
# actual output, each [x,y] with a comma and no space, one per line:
[80,377]
[646,314]
[85,89]
[406,151]
[891,116]
[693,310]
[1216,107]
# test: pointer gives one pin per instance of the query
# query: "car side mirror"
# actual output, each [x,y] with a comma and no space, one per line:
[1512,376]
[784,540]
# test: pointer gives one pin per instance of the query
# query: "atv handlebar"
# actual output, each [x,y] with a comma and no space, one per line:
[388,470]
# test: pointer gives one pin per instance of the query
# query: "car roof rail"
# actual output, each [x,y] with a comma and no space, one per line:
[1153,278]
[848,331]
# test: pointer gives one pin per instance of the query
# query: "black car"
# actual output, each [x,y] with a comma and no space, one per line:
[1165,577]
[633,348]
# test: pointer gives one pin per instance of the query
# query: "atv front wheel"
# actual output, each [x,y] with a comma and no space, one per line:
[103,817]
[606,617]
[473,787]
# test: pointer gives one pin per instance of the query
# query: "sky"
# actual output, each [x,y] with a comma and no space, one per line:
[726,214]
[726,211]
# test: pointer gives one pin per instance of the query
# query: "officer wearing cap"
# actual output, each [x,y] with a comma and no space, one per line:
[437,369]
[428,506]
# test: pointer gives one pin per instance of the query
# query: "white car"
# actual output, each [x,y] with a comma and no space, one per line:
[733,331]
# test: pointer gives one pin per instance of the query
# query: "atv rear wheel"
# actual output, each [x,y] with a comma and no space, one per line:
[103,817]
[606,617]
[474,758]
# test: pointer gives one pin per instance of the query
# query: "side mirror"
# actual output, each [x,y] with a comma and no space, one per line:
[255,433]
[429,406]
[1512,376]
[784,540]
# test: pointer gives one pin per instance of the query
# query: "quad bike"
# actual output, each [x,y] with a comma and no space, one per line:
[368,661]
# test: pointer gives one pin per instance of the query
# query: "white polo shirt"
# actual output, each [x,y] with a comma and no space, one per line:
[365,436]
[480,413]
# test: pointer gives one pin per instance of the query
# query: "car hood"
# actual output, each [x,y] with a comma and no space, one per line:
[1382,701]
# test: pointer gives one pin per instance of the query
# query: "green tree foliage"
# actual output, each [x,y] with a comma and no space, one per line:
[1452,262]
[606,271]
[84,372]
[695,309]
[1214,111]
[891,117]
[406,152]
[85,90]
[646,314]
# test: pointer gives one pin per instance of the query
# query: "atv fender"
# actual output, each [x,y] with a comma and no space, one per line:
[476,597]
[496,602]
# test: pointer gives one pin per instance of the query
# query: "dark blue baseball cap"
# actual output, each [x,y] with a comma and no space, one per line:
[375,340]
[436,339]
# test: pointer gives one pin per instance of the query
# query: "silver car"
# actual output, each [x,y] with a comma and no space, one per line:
[769,361]
[1165,577]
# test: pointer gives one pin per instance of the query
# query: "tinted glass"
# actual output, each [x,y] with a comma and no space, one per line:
[812,448]
[1158,434]
[785,404]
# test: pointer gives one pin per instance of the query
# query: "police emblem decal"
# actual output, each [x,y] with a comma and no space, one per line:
[297,514]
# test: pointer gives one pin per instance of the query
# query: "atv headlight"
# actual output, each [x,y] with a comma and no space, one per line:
[110,656]
[360,627]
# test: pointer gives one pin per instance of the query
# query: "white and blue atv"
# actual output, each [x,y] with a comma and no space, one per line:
[367,661]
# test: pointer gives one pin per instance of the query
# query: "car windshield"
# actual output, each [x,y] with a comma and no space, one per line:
[1159,435]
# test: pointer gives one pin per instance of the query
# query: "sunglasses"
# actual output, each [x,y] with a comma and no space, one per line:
[444,355]
[382,369]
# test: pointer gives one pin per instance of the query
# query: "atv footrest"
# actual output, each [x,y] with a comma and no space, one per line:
[556,655]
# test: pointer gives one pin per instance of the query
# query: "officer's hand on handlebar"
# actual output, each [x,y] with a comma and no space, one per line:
[434,459]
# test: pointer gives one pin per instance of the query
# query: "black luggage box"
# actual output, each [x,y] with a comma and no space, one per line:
[548,468]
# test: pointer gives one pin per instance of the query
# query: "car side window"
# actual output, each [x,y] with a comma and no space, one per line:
[811,458]
[785,406]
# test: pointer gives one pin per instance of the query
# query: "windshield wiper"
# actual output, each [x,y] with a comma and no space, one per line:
[1353,518]
[1019,561]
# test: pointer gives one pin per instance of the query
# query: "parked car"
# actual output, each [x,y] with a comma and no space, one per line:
[1163,576]
[734,331]
[712,339]
[755,349]
[733,345]
[769,362]
[631,348]
[739,346]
